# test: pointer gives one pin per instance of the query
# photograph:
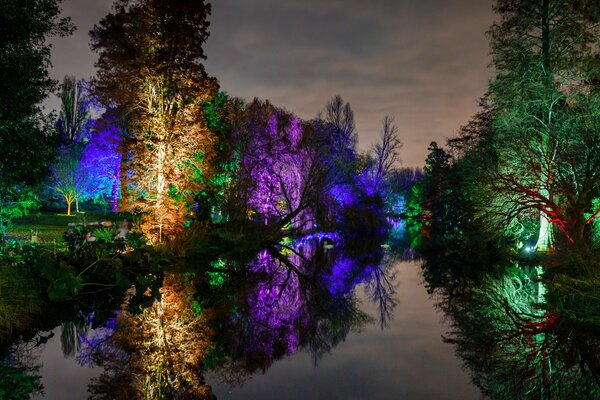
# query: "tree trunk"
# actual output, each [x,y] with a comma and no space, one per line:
[576,231]
[69,208]
[545,236]
[114,201]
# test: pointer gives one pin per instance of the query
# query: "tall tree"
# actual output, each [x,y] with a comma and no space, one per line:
[26,135]
[340,115]
[386,154]
[74,110]
[150,70]
[73,131]
[542,51]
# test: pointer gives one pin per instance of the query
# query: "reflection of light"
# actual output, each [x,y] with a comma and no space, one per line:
[318,236]
[529,249]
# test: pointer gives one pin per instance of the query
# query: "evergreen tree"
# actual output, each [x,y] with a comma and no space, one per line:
[25,134]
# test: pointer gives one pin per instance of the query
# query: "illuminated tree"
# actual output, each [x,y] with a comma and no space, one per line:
[65,175]
[100,164]
[515,344]
[73,131]
[543,53]
[150,72]
[383,159]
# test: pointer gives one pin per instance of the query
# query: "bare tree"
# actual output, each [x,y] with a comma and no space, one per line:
[340,115]
[387,152]
[74,110]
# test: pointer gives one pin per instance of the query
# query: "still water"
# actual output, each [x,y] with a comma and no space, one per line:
[406,359]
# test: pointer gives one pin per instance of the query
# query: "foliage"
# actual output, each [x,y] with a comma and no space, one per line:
[65,174]
[159,352]
[15,202]
[543,101]
[19,382]
[26,135]
[287,169]
[526,166]
[20,300]
[150,70]
[100,165]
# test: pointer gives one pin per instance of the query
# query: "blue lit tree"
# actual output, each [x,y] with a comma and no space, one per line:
[101,161]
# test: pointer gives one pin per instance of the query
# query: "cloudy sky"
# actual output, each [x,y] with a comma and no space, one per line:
[424,62]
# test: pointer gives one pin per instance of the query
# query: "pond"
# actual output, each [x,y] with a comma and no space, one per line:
[406,359]
[323,316]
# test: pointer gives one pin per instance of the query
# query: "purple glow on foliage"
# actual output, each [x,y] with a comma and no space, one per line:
[100,165]
[275,307]
[344,195]
[346,273]
[275,165]
[367,183]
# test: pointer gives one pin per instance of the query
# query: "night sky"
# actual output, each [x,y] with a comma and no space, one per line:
[424,62]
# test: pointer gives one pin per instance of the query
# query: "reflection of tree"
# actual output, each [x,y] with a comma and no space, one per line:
[515,344]
[382,289]
[19,300]
[70,337]
[300,297]
[158,353]
[19,375]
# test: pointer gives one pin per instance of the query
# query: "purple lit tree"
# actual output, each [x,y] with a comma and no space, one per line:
[291,171]
[101,161]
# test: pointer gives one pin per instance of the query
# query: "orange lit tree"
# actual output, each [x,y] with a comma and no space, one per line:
[150,70]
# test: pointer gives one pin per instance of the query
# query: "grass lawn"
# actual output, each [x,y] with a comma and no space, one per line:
[49,228]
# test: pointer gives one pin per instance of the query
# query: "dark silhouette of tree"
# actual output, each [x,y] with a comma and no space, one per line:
[25,134]
[341,116]
[386,154]
[74,111]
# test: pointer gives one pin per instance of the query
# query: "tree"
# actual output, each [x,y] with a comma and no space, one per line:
[65,174]
[384,157]
[341,116]
[25,134]
[73,130]
[74,110]
[100,164]
[150,71]
[543,52]
[159,352]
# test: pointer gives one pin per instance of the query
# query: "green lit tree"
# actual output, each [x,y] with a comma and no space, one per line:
[26,135]
[542,100]
[72,126]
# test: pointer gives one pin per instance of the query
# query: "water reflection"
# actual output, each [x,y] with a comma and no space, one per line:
[19,370]
[157,353]
[515,333]
[236,318]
